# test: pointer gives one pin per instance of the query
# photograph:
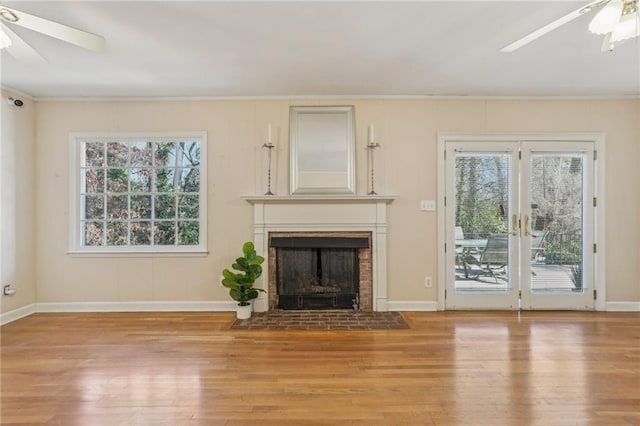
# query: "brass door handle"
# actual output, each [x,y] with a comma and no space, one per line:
[515,227]
[526,226]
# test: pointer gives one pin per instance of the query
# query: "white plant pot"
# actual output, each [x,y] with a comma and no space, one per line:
[244,312]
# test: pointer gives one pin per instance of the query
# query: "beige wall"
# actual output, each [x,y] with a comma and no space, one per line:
[407,167]
[17,203]
[622,193]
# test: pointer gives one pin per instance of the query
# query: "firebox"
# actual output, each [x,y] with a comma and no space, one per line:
[318,272]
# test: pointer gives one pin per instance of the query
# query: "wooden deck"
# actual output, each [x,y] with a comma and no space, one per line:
[552,278]
[449,368]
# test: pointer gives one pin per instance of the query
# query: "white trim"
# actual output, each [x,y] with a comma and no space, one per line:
[216,306]
[74,245]
[322,97]
[599,218]
[622,306]
[306,198]
[441,220]
[16,314]
[427,306]
[34,308]
[186,306]
[145,254]
[522,137]
[17,92]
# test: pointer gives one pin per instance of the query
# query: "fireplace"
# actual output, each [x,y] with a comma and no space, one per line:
[320,270]
[346,217]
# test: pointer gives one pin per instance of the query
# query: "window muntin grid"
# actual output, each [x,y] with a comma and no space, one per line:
[141,194]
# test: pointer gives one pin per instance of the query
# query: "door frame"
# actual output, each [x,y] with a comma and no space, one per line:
[598,139]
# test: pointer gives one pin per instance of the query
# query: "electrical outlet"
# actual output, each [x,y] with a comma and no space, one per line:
[428,282]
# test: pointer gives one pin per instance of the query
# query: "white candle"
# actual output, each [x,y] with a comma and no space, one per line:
[371,134]
[269,133]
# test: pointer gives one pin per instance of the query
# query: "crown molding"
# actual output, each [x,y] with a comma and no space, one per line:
[329,97]
[17,92]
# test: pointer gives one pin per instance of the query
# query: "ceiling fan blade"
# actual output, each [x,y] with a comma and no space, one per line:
[53,29]
[553,25]
[20,50]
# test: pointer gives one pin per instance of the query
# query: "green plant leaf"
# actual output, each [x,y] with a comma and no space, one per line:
[248,248]
[252,294]
[236,295]
[229,283]
[254,271]
[228,274]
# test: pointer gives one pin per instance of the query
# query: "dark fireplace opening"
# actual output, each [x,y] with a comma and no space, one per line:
[317,272]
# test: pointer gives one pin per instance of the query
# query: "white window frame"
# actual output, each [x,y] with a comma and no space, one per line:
[75,234]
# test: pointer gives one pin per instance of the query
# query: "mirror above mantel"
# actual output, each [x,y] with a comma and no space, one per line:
[322,150]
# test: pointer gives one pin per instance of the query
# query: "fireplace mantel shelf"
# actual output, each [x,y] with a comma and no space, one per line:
[323,198]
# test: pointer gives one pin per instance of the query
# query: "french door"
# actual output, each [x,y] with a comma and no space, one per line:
[519,225]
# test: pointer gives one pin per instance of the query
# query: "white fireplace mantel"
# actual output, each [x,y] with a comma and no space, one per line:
[303,199]
[330,213]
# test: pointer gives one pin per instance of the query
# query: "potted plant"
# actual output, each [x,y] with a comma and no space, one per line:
[240,284]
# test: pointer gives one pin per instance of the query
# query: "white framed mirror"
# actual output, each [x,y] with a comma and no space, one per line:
[322,150]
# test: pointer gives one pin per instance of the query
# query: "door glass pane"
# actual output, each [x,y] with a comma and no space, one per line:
[556,188]
[481,217]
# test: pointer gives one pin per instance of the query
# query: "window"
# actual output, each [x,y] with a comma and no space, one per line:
[139,193]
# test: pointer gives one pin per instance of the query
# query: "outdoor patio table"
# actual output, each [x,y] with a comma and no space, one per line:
[470,247]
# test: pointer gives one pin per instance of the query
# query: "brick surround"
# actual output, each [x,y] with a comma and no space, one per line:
[364,264]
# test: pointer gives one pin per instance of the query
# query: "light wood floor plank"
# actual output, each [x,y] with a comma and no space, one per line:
[449,368]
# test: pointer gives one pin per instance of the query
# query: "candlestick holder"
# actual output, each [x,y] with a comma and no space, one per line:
[371,147]
[269,146]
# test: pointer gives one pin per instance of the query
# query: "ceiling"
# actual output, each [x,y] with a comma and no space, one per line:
[297,48]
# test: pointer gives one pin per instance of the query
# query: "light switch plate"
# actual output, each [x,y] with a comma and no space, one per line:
[428,205]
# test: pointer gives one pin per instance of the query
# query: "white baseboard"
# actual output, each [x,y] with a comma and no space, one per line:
[412,306]
[226,306]
[623,307]
[16,314]
[136,306]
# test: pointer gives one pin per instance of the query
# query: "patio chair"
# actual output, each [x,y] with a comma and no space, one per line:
[537,245]
[493,259]
[463,252]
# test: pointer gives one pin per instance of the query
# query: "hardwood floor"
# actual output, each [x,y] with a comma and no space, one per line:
[449,368]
